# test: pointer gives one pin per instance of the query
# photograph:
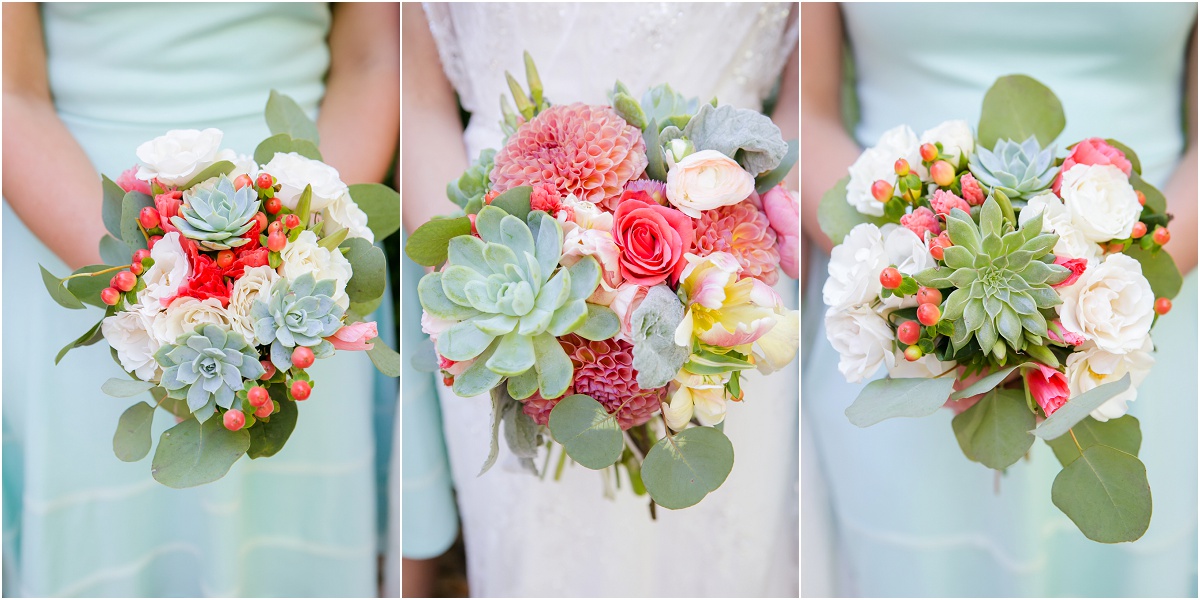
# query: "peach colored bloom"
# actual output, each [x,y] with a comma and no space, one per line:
[971,191]
[743,231]
[783,212]
[943,202]
[355,336]
[921,220]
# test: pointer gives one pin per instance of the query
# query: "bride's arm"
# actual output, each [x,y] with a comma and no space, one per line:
[360,115]
[1181,190]
[48,179]
[432,152]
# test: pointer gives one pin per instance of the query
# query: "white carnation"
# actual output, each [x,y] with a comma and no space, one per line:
[1102,203]
[879,162]
[345,214]
[854,267]
[185,314]
[129,333]
[1110,304]
[863,339]
[305,256]
[170,270]
[908,252]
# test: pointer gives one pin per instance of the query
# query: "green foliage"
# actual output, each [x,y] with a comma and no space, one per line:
[1077,409]
[284,116]
[1020,170]
[469,189]
[370,270]
[837,217]
[1106,493]
[384,358]
[1124,434]
[764,182]
[58,291]
[113,251]
[381,205]
[1156,203]
[110,209]
[656,160]
[87,289]
[268,435]
[889,398]
[586,431]
[745,135]
[131,442]
[427,246]
[193,453]
[89,337]
[656,356]
[984,384]
[125,388]
[995,431]
[131,205]
[1159,269]
[216,169]
[1017,107]
[515,201]
[680,470]
[1130,155]
[284,143]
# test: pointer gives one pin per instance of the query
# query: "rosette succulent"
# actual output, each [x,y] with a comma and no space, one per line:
[512,299]
[297,313]
[217,217]
[1002,279]
[206,367]
[469,189]
[1019,170]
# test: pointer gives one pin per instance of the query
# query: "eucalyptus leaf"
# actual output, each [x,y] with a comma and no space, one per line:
[1077,409]
[284,115]
[1159,269]
[1016,107]
[369,265]
[586,431]
[889,398]
[514,201]
[381,205]
[284,143]
[983,385]
[837,217]
[384,358]
[1155,201]
[995,430]
[110,210]
[125,388]
[132,440]
[1124,434]
[87,289]
[680,470]
[89,337]
[427,246]
[267,437]
[113,251]
[131,207]
[1106,493]
[191,454]
[58,291]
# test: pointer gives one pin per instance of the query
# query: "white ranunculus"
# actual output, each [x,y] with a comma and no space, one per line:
[909,253]
[345,214]
[854,267]
[956,138]
[706,180]
[185,314]
[305,256]
[863,339]
[163,278]
[879,162]
[294,172]
[1102,203]
[1072,243]
[129,333]
[1111,304]
[255,283]
[179,155]
[1090,367]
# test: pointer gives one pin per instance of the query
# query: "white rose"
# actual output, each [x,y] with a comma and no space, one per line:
[305,256]
[180,155]
[185,314]
[706,180]
[863,339]
[1102,204]
[163,278]
[1111,304]
[1072,243]
[956,138]
[255,282]
[242,165]
[908,252]
[854,267]
[129,333]
[294,172]
[1090,367]
[345,214]
[926,367]
[879,162]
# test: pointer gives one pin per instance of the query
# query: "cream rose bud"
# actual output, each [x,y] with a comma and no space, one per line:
[1090,367]
[255,283]
[706,180]
[180,155]
[863,339]
[345,214]
[129,333]
[305,256]
[185,314]
[955,136]
[163,278]
[854,267]
[902,247]
[879,162]
[1058,220]
[295,172]
[1102,203]
[1111,305]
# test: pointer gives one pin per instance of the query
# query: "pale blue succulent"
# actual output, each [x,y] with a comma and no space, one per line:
[1021,171]
[217,217]
[297,313]
[206,367]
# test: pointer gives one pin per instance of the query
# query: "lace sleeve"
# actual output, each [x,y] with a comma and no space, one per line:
[441,25]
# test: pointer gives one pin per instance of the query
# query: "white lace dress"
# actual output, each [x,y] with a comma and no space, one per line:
[528,537]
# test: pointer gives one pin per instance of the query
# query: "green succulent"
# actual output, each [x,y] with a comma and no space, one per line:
[512,299]
[206,367]
[469,189]
[1002,279]
[297,313]
[1019,170]
[217,218]
[665,106]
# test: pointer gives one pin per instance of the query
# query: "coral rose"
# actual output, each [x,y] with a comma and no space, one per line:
[1093,151]
[652,240]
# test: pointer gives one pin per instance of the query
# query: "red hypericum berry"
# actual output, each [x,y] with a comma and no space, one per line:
[275,227]
[926,295]
[148,217]
[1162,306]
[234,419]
[273,205]
[269,368]
[1162,236]
[901,167]
[110,296]
[136,267]
[890,278]
[258,396]
[140,254]
[447,380]
[261,218]
[301,389]
[242,181]
[1139,229]
[937,251]
[938,245]
[264,410]
[929,314]
[225,258]
[124,281]
[489,196]
[291,221]
[264,181]
[929,152]
[942,173]
[1141,197]
[908,332]
[913,353]
[303,357]
[882,190]
[276,241]
[153,240]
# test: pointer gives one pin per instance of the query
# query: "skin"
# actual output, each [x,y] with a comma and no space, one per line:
[358,131]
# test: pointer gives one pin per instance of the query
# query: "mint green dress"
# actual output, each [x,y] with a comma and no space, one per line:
[79,522]
[911,515]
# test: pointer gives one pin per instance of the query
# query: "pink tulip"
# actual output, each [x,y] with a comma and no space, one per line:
[783,211]
[355,337]
[129,182]
[1076,265]
[1048,387]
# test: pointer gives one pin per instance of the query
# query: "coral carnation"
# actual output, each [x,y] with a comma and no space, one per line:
[971,191]
[921,220]
[743,231]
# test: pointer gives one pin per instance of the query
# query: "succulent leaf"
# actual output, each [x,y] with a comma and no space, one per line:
[1019,170]
[216,217]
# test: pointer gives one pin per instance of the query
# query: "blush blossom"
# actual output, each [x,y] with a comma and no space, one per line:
[1093,151]
[706,180]
[920,221]
[1076,265]
[943,202]
[783,212]
[652,240]
[1048,387]
[128,182]
[356,336]
[746,233]
[971,191]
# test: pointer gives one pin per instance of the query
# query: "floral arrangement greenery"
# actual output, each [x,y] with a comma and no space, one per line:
[611,264]
[1018,287]
[244,271]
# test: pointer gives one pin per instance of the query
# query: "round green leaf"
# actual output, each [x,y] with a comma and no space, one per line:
[110,210]
[384,358]
[1018,106]
[381,205]
[587,432]
[370,270]
[268,436]
[1159,269]
[1124,434]
[58,291]
[284,143]
[284,115]
[889,398]
[995,431]
[680,471]
[1106,494]
[837,217]
[87,289]
[515,201]
[1077,409]
[131,207]
[131,442]
[125,388]
[191,454]
[113,251]
[428,245]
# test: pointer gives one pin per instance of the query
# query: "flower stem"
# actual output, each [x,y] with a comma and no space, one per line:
[1076,440]
[95,273]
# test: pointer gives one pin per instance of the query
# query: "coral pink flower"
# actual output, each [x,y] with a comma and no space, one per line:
[1063,335]
[943,202]
[971,191]
[657,190]
[356,336]
[167,204]
[584,150]
[1076,265]
[1048,387]
[604,370]
[206,281]
[1093,151]
[545,198]
[783,211]
[743,231]
[652,240]
[921,220]
[538,408]
[129,182]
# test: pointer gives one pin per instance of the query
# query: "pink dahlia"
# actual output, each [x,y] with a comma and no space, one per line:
[584,150]
[743,231]
[538,408]
[604,371]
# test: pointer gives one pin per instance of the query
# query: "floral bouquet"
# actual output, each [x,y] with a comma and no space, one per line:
[244,271]
[612,263]
[1021,286]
